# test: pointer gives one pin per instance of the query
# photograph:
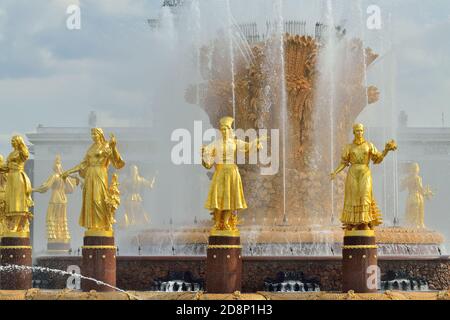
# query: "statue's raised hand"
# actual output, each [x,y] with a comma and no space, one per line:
[332,176]
[391,146]
[261,139]
[112,141]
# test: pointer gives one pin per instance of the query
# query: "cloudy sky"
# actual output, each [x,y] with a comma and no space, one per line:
[130,76]
[54,76]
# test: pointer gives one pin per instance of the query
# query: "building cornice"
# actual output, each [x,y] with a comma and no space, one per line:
[82,135]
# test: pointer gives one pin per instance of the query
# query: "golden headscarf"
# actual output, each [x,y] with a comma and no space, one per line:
[99,131]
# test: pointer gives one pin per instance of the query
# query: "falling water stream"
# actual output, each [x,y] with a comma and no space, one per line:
[13,268]
[231,52]
[330,63]
[195,7]
[280,29]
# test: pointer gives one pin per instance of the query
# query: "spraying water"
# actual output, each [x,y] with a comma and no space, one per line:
[330,49]
[280,28]
[231,52]
[168,25]
[196,13]
[14,267]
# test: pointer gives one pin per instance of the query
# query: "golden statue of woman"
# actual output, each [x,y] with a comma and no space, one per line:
[226,194]
[3,177]
[57,228]
[415,208]
[360,208]
[135,213]
[96,215]
[17,191]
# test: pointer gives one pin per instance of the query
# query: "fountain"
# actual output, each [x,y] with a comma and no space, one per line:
[297,207]
[307,80]
[178,281]
[300,82]
[291,282]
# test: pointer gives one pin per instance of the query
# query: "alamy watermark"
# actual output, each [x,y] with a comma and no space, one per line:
[188,147]
[74,281]
[73,21]
[374,279]
[374,21]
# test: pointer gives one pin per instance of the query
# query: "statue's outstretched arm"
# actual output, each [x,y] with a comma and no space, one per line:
[341,167]
[252,146]
[147,183]
[70,184]
[75,169]
[378,157]
[45,186]
[345,162]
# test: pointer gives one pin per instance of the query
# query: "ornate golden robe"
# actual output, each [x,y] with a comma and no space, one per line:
[135,212]
[94,169]
[226,191]
[18,186]
[3,178]
[57,229]
[415,204]
[359,205]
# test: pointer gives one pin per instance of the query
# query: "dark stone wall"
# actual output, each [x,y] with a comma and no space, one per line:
[137,273]
[435,271]
[257,269]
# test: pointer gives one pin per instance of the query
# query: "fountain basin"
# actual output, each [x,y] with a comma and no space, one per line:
[36,294]
[139,272]
[287,240]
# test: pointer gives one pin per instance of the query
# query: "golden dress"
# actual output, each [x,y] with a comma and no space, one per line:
[3,178]
[57,229]
[415,206]
[135,212]
[95,214]
[359,205]
[18,191]
[226,191]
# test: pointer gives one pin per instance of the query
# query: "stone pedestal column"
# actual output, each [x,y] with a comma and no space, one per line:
[99,263]
[359,262]
[16,251]
[224,264]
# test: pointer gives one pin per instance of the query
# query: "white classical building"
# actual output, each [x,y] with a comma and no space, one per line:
[180,190]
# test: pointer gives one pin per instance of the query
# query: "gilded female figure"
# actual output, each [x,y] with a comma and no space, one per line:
[360,208]
[57,229]
[17,191]
[226,194]
[415,206]
[3,177]
[96,215]
[135,213]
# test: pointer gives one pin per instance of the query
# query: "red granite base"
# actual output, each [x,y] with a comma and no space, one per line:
[359,264]
[99,263]
[223,265]
[16,251]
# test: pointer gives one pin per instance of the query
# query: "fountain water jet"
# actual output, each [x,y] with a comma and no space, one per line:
[231,52]
[12,268]
[280,30]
